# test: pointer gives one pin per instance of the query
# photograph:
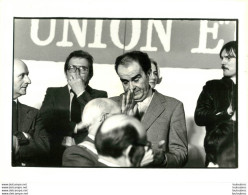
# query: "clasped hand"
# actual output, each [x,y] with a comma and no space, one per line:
[76,83]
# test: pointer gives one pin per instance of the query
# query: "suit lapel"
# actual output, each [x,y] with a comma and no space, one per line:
[25,118]
[63,100]
[156,107]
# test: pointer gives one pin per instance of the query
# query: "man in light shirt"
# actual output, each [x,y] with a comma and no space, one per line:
[162,117]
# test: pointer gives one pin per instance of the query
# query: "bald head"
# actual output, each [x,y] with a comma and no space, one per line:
[122,120]
[96,111]
[21,79]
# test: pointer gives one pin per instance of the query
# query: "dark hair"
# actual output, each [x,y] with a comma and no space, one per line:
[216,145]
[229,47]
[114,142]
[137,56]
[80,54]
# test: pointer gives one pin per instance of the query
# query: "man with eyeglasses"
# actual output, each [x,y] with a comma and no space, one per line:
[62,107]
[217,102]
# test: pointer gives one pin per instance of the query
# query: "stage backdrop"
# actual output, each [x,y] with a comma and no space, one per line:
[186,50]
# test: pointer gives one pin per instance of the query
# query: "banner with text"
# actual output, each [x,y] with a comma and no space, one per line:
[172,43]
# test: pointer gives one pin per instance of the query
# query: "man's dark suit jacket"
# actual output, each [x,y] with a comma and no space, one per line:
[35,152]
[81,156]
[212,105]
[55,112]
[165,120]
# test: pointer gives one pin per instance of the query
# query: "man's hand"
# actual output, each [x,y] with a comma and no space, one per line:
[77,83]
[15,145]
[148,157]
[129,106]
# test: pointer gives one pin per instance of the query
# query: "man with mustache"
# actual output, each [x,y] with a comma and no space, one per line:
[163,117]
[30,146]
[217,102]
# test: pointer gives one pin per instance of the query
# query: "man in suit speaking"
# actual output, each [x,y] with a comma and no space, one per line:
[62,107]
[162,117]
[30,141]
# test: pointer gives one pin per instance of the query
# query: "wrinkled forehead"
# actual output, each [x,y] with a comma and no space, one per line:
[129,70]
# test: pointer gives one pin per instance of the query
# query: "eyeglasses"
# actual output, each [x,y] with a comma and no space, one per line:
[73,69]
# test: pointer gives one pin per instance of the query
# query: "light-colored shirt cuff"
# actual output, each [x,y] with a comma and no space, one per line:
[75,129]
[26,135]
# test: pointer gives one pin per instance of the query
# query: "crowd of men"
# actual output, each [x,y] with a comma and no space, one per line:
[78,126]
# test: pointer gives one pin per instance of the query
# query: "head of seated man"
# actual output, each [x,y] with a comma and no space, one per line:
[95,112]
[120,141]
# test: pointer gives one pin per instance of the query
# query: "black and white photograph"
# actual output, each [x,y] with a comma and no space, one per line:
[117,98]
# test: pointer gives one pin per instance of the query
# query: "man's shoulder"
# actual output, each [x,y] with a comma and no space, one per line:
[96,91]
[116,98]
[79,156]
[218,84]
[78,150]
[57,89]
[27,108]
[167,99]
[213,82]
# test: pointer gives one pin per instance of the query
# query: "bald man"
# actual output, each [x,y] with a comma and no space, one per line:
[30,145]
[121,142]
[84,154]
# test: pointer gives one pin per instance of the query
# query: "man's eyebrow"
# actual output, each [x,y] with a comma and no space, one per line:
[137,76]
[122,80]
[133,78]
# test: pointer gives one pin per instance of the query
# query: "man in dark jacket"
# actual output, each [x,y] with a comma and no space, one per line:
[62,107]
[30,140]
[217,102]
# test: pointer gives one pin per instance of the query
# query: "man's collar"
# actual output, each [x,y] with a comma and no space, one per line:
[86,89]
[234,79]
[146,102]
[106,162]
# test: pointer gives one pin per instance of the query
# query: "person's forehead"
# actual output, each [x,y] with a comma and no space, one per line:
[77,61]
[227,53]
[129,70]
[20,67]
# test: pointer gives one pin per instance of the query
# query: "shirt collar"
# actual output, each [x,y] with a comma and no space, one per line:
[146,102]
[90,146]
[234,79]
[110,164]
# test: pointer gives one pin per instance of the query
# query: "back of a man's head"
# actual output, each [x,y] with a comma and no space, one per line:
[119,132]
[96,111]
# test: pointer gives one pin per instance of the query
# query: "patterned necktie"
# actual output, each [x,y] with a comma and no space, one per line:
[75,109]
[14,118]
